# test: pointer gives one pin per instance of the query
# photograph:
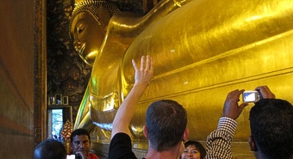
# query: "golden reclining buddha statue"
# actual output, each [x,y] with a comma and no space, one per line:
[202,49]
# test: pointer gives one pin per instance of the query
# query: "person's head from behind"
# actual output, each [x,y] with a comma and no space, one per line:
[193,150]
[80,141]
[166,122]
[271,123]
[88,27]
[50,149]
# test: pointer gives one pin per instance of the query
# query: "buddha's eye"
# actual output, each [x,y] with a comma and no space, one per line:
[80,29]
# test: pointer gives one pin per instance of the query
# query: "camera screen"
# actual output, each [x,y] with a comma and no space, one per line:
[70,156]
[249,97]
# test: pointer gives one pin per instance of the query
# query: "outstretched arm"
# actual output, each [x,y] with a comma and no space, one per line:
[126,110]
[219,141]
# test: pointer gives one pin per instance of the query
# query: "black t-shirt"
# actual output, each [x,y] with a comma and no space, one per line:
[120,147]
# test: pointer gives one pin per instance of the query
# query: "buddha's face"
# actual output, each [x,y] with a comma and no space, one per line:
[87,36]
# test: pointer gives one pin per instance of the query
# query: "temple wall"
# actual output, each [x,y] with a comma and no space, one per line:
[17,79]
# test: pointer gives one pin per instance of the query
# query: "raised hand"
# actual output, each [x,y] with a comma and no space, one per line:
[265,92]
[143,74]
[231,107]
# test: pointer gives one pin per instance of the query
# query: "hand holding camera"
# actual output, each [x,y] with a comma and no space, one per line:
[259,93]
[265,92]
[232,109]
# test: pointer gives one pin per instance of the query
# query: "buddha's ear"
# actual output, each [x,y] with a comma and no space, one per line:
[104,16]
[252,144]
[145,131]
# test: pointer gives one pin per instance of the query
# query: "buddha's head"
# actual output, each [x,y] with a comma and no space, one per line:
[88,27]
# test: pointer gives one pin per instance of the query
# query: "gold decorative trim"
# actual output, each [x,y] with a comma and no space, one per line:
[40,72]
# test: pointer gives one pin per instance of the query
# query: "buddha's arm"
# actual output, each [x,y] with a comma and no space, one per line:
[130,25]
[83,111]
[123,28]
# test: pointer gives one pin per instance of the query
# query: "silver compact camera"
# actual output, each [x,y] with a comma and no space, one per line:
[73,156]
[251,96]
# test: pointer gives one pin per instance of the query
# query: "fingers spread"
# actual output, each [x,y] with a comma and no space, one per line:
[149,63]
[142,63]
[134,64]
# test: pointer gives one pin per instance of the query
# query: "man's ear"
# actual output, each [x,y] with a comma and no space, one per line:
[252,144]
[145,131]
[185,135]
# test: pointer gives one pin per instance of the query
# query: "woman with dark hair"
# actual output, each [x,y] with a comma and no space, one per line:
[193,150]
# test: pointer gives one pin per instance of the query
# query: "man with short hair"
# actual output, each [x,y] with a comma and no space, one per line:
[50,149]
[81,143]
[166,121]
[271,123]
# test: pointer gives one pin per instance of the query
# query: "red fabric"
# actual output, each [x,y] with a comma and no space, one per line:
[92,156]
